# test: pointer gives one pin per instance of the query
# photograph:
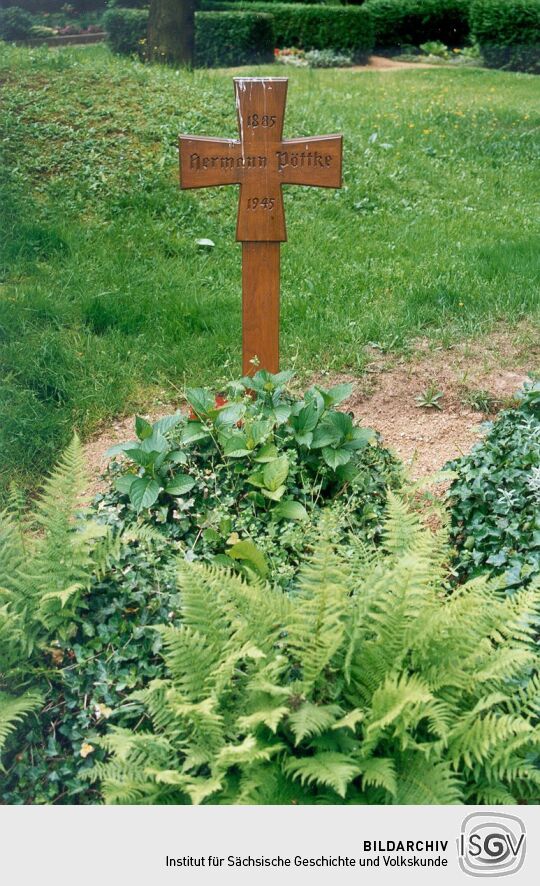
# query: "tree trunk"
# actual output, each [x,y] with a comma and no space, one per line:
[171,31]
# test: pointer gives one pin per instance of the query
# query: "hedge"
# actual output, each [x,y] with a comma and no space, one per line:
[508,32]
[221,38]
[309,26]
[55,5]
[413,22]
[233,38]
[15,23]
[126,29]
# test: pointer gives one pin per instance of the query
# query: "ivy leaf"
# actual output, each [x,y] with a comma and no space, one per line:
[144,492]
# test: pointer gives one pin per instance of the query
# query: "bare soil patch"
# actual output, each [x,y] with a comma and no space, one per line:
[426,438]
[380,63]
[384,399]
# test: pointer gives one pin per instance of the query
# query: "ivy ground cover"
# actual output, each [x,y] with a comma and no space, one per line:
[108,303]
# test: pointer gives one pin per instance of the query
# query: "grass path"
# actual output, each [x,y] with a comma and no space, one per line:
[106,303]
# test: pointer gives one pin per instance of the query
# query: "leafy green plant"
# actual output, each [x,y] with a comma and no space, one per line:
[399,23]
[328,58]
[240,478]
[429,399]
[313,26]
[126,30]
[435,48]
[233,38]
[368,685]
[481,400]
[508,32]
[46,564]
[15,23]
[495,498]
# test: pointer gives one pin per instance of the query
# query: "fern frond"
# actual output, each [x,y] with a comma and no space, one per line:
[311,719]
[421,782]
[14,709]
[329,769]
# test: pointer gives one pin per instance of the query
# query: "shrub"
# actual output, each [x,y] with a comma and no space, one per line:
[126,29]
[368,685]
[309,26]
[413,22]
[103,647]
[327,58]
[240,480]
[15,23]
[40,591]
[495,499]
[508,32]
[74,635]
[233,38]
[221,38]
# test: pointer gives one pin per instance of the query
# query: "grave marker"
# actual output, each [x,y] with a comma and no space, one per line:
[261,161]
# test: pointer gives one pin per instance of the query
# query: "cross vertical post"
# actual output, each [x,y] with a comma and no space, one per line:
[261,161]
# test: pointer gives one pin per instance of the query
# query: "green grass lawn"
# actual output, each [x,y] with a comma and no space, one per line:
[106,301]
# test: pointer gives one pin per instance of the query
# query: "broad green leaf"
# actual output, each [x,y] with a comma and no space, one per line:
[180,484]
[141,457]
[336,457]
[256,479]
[121,448]
[325,434]
[156,442]
[334,396]
[281,413]
[290,510]
[304,439]
[275,473]
[360,438]
[143,428]
[274,494]
[306,419]
[201,401]
[144,492]
[251,554]
[194,431]
[268,452]
[123,483]
[258,431]
[230,415]
[167,422]
[176,457]
[235,445]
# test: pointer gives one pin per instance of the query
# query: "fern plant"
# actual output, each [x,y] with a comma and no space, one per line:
[370,684]
[46,563]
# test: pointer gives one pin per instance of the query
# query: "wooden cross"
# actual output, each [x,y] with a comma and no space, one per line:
[261,161]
